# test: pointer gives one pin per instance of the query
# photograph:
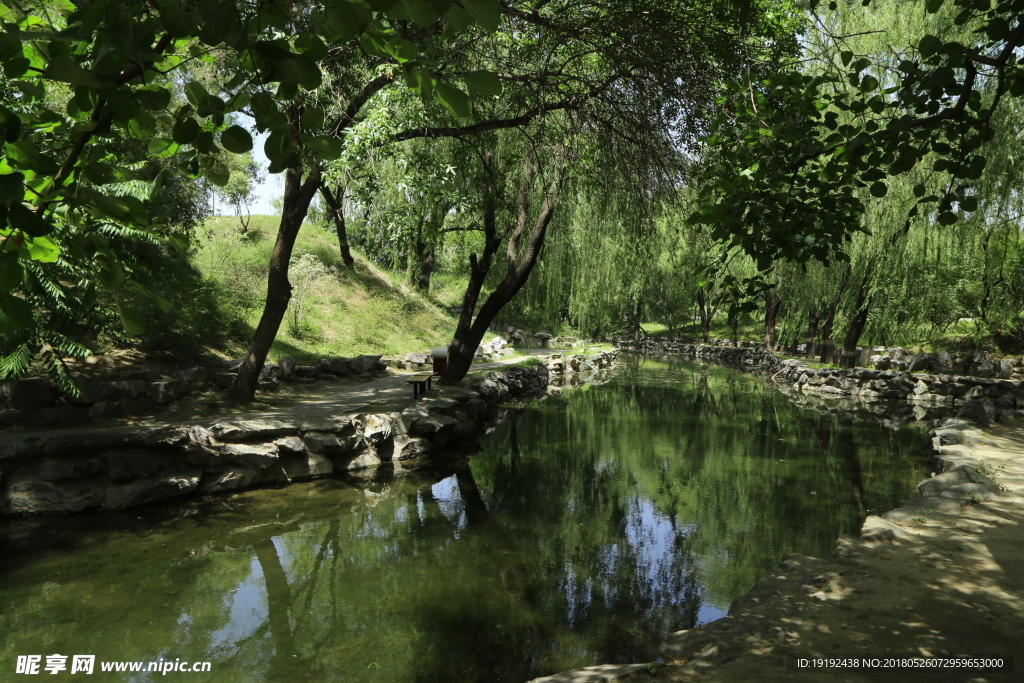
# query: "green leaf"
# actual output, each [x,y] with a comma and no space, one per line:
[196,94]
[420,12]
[349,18]
[420,82]
[453,99]
[10,125]
[929,45]
[484,83]
[328,148]
[969,204]
[11,271]
[15,314]
[65,70]
[110,273]
[20,217]
[487,13]
[12,188]
[185,130]
[278,146]
[933,6]
[236,139]
[312,118]
[846,56]
[153,97]
[42,249]
[879,189]
[310,45]
[947,218]
[133,322]
[403,50]
[162,147]
[456,19]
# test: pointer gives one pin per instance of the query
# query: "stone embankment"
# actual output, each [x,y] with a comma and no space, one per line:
[981,399]
[87,469]
[38,400]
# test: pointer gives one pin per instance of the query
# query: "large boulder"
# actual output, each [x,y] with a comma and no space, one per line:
[287,365]
[141,491]
[980,410]
[921,361]
[363,365]
[31,393]
[334,366]
[166,391]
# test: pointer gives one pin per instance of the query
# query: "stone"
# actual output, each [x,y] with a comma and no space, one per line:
[1005,369]
[363,460]
[876,529]
[240,430]
[376,427]
[334,366]
[229,480]
[881,362]
[133,463]
[270,372]
[193,379]
[233,365]
[223,379]
[55,468]
[418,358]
[331,444]
[981,410]
[986,369]
[306,466]
[164,392]
[287,365]
[60,416]
[363,365]
[291,445]
[956,479]
[921,361]
[24,494]
[252,455]
[31,393]
[89,391]
[9,417]
[432,424]
[307,371]
[141,491]
[268,385]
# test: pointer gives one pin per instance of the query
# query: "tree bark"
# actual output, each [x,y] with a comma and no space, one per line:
[812,331]
[425,260]
[856,327]
[705,313]
[772,304]
[297,197]
[830,314]
[336,207]
[469,332]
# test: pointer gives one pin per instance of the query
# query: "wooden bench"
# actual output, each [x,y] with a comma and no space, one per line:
[420,383]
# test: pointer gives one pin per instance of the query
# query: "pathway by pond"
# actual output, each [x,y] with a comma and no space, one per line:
[582,532]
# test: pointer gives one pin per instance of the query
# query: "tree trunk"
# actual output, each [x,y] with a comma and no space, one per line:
[705,314]
[772,304]
[335,206]
[425,259]
[636,319]
[297,197]
[830,314]
[469,331]
[856,327]
[812,331]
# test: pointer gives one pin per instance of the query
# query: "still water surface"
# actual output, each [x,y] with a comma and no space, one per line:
[584,530]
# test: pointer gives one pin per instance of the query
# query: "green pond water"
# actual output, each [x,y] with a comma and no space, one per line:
[581,532]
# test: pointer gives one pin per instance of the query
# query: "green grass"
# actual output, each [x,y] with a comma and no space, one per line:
[350,312]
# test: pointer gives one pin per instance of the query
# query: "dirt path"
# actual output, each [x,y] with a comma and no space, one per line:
[943,575]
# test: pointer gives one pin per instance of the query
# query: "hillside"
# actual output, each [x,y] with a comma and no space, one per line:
[335,311]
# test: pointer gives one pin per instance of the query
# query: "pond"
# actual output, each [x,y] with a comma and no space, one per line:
[581,532]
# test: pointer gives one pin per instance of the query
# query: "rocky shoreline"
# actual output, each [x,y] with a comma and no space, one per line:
[787,612]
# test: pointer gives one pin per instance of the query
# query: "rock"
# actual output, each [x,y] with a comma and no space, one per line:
[132,463]
[54,469]
[986,369]
[252,455]
[291,445]
[331,444]
[141,491]
[1005,369]
[432,424]
[418,358]
[9,417]
[103,410]
[881,362]
[404,447]
[376,427]
[223,379]
[876,529]
[306,466]
[363,365]
[135,406]
[229,480]
[287,365]
[922,361]
[270,372]
[334,366]
[268,385]
[25,495]
[307,371]
[942,363]
[193,379]
[59,416]
[165,392]
[31,394]
[981,410]
[233,365]
[89,391]
[362,461]
[240,430]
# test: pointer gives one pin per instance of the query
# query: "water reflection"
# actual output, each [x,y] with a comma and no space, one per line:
[584,529]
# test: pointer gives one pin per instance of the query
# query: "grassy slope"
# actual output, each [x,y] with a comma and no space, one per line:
[346,312]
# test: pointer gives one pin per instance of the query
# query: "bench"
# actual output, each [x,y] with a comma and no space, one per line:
[420,383]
